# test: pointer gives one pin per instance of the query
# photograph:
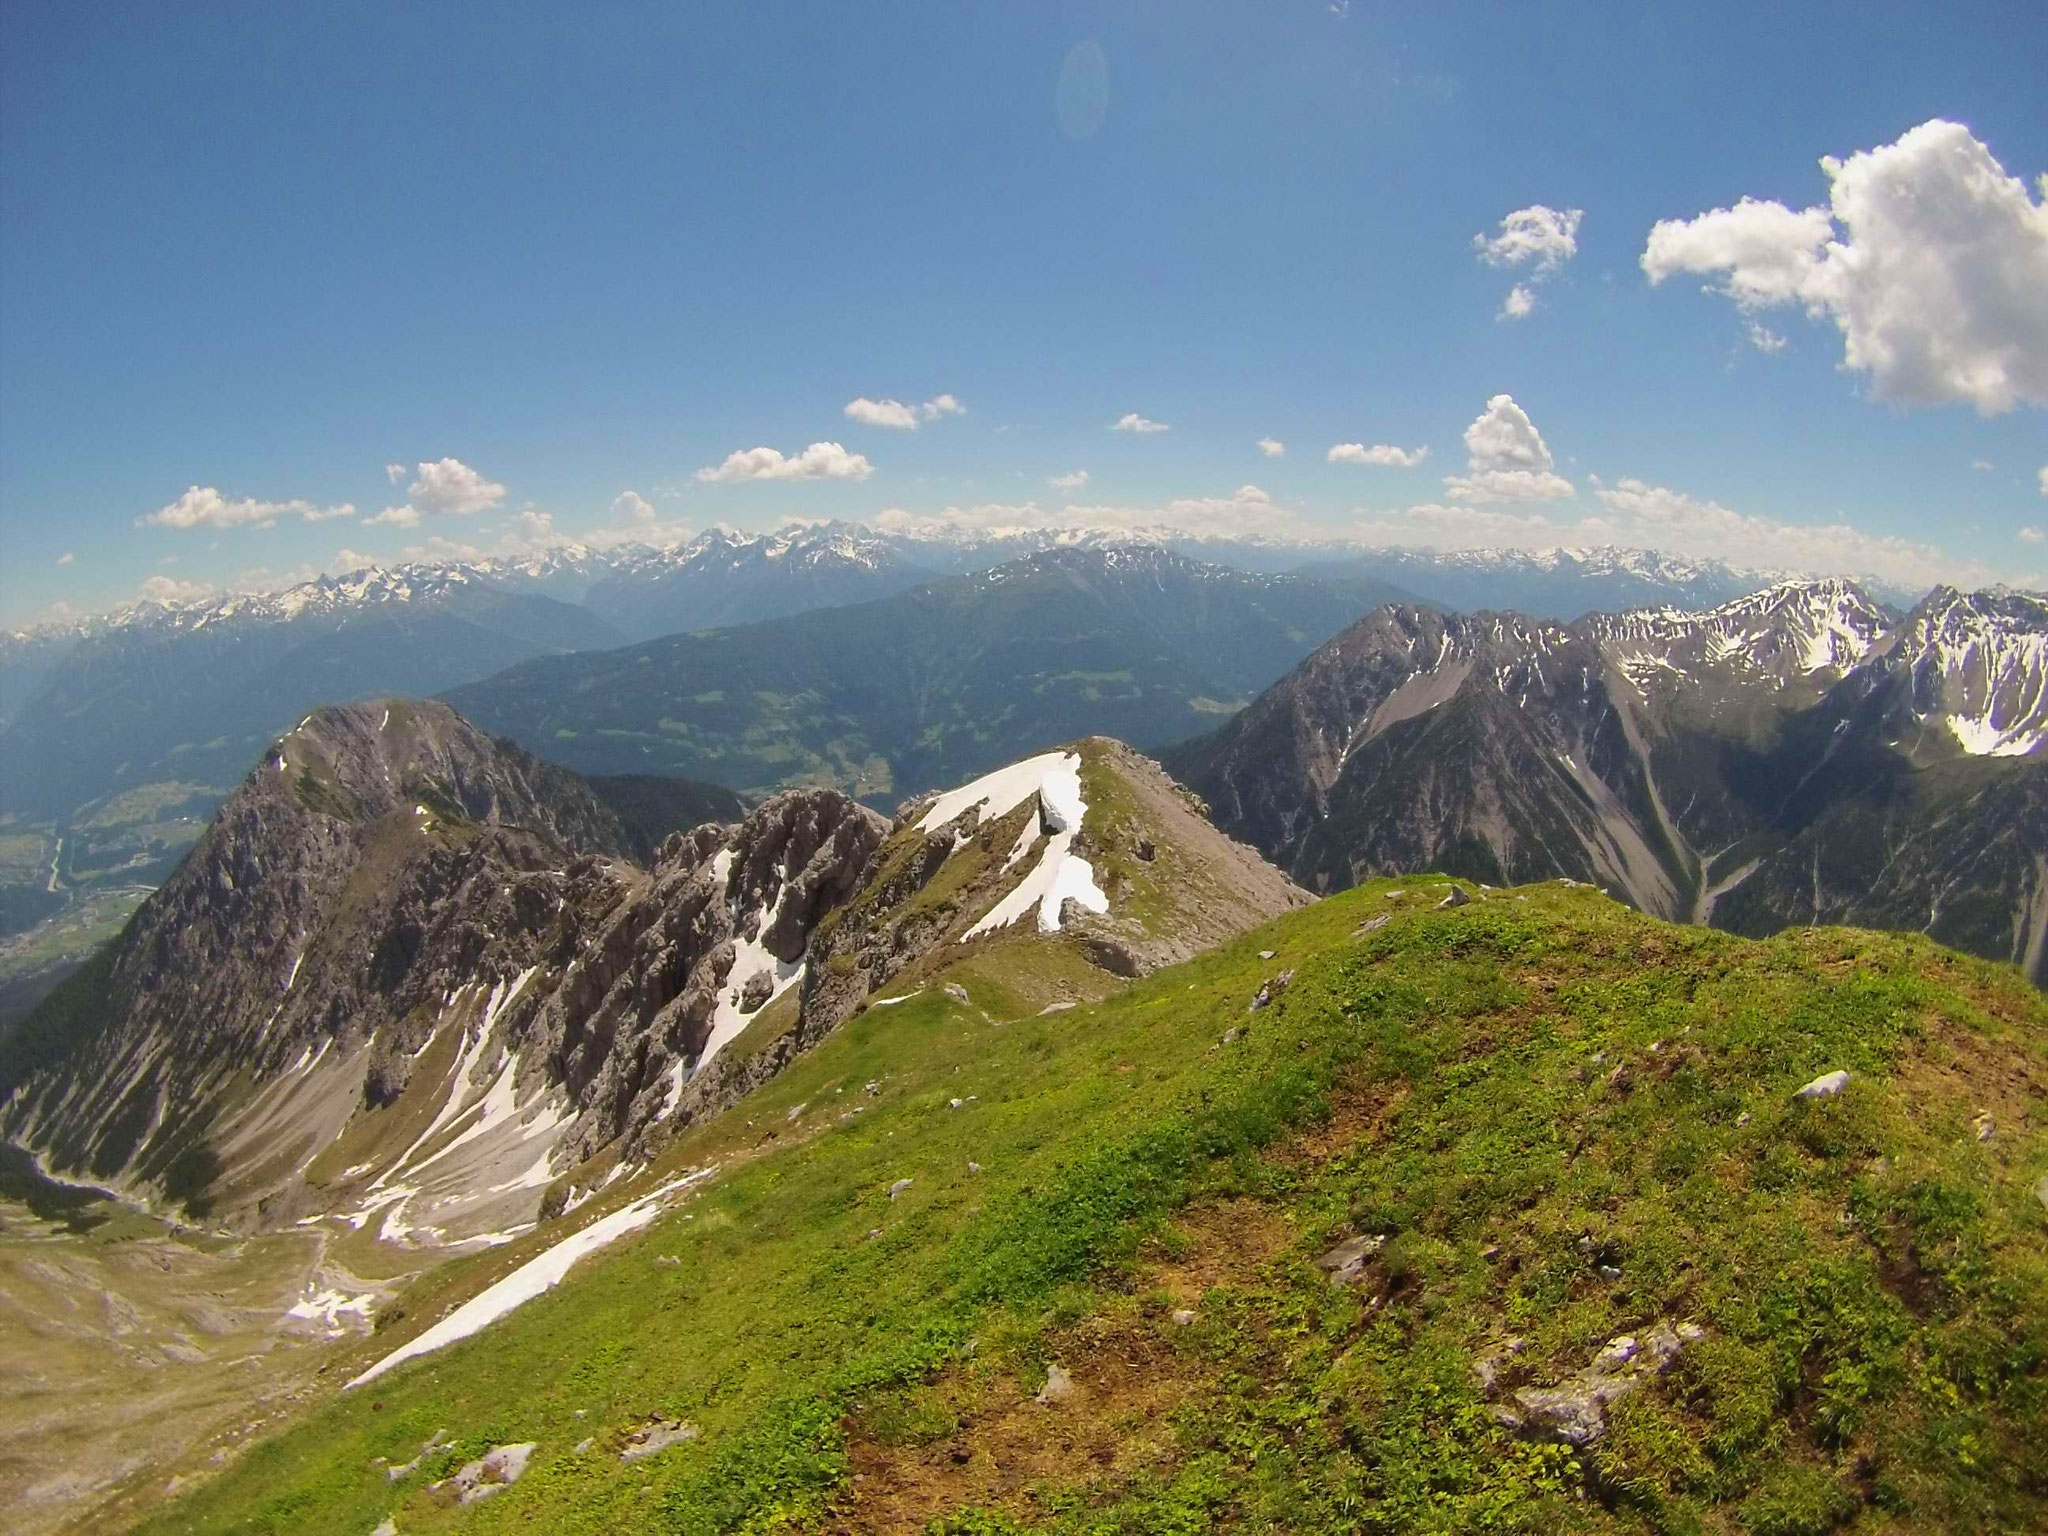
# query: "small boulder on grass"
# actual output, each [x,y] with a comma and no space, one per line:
[1270,989]
[1826,1086]
[1058,1388]
[655,1436]
[492,1473]
[1345,1263]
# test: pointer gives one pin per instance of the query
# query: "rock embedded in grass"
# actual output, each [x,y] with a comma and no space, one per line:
[655,1436]
[1575,1410]
[1345,1263]
[1058,1388]
[1826,1086]
[490,1474]
[1269,990]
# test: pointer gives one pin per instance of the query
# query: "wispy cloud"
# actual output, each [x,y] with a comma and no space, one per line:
[1069,483]
[1272,447]
[1131,421]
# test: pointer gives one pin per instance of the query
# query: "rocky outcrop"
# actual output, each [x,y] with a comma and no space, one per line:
[1574,1411]
[722,913]
[380,857]
[395,913]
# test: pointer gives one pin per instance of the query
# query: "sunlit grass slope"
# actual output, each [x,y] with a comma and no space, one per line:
[1569,1122]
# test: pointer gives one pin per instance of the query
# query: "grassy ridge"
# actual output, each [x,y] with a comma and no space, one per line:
[1569,1121]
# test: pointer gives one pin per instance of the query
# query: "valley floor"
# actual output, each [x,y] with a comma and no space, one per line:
[128,1343]
[968,1267]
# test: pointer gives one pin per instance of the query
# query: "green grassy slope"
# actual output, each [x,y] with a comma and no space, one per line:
[1570,1123]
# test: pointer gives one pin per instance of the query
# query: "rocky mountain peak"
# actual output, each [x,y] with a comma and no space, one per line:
[1804,632]
[1977,663]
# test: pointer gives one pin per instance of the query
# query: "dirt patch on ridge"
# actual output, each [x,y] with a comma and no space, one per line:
[1128,1374]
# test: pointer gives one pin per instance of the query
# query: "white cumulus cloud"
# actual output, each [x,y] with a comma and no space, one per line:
[1131,421]
[2044,479]
[1272,447]
[1379,453]
[820,461]
[1069,483]
[394,517]
[170,590]
[1507,459]
[202,506]
[2030,535]
[894,413]
[633,507]
[1930,259]
[451,486]
[67,558]
[1538,238]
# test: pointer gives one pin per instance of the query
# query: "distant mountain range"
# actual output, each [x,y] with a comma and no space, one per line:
[892,697]
[119,735]
[1798,756]
[184,692]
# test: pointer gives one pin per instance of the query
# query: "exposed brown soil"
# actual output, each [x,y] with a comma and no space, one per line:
[1129,1374]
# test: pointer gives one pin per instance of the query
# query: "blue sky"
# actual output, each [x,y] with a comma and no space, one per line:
[267,251]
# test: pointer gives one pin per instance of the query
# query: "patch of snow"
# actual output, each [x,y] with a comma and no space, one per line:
[1026,836]
[533,1278]
[1074,880]
[1980,738]
[536,1177]
[1001,792]
[329,1307]
[749,956]
[495,1239]
[1059,874]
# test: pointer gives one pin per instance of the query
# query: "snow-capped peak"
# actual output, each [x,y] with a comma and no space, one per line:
[1978,662]
[1806,629]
